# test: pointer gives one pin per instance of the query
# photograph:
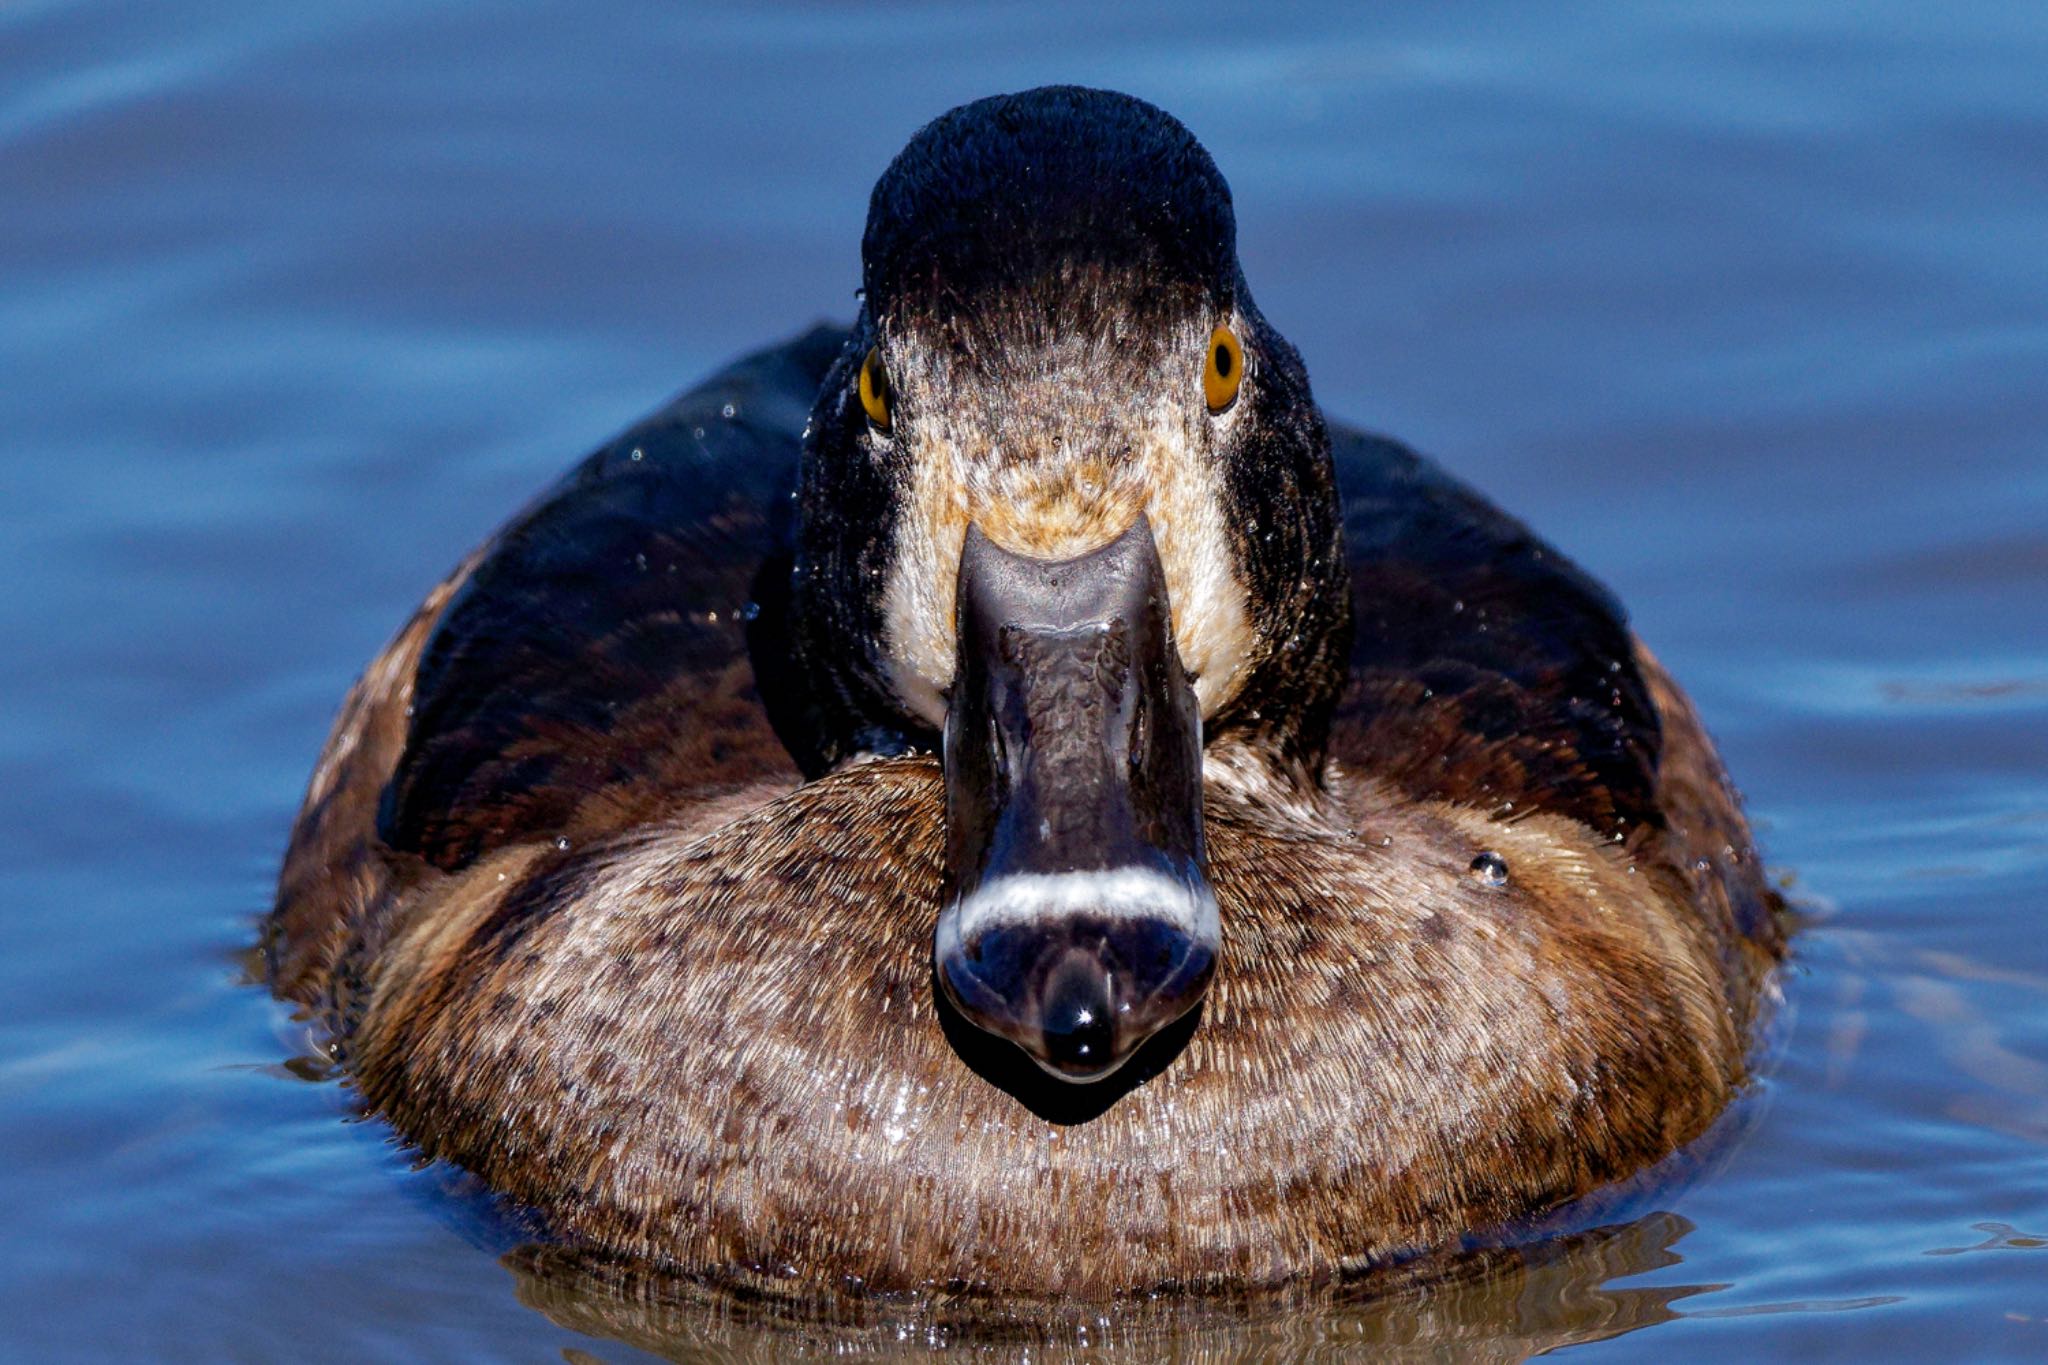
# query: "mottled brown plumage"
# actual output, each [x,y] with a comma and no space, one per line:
[598,897]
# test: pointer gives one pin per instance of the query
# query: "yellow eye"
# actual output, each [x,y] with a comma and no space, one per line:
[874,388]
[1224,370]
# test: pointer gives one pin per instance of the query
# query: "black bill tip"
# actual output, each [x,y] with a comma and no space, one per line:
[1077,1026]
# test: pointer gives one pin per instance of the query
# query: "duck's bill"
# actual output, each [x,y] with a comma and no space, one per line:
[1080,920]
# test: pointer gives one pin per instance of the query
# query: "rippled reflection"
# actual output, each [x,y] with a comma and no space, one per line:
[1493,1305]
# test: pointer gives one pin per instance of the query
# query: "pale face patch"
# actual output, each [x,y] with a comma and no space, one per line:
[1054,452]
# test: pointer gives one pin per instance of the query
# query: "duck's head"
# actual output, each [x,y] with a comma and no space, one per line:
[1067,509]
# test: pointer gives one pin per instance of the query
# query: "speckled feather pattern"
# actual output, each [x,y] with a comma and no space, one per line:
[1393,1053]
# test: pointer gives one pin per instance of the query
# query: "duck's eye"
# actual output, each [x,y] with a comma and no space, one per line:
[874,388]
[1224,370]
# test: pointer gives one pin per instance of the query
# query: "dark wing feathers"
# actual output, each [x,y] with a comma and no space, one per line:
[594,667]
[1486,668]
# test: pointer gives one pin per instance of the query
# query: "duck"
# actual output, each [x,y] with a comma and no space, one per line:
[1006,801]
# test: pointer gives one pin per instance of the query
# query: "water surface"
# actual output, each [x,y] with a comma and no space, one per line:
[1744,305]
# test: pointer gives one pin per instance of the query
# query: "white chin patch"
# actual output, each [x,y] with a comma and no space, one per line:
[1120,893]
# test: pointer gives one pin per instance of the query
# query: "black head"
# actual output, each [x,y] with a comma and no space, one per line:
[1067,501]
[1006,194]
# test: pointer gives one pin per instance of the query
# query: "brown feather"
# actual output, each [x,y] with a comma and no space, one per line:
[639,976]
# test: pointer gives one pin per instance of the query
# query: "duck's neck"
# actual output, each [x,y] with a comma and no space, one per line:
[1290,549]
[843,545]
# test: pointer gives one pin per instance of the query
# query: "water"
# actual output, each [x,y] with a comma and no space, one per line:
[1745,305]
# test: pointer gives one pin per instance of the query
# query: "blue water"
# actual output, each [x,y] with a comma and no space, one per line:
[1744,305]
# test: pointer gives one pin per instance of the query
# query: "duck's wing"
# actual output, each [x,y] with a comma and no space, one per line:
[593,670]
[586,668]
[1486,668]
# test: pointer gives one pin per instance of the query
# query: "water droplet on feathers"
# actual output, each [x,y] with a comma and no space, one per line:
[1490,868]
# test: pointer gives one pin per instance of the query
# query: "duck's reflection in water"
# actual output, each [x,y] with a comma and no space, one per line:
[1493,1304]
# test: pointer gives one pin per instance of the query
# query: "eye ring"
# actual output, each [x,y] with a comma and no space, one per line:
[1223,369]
[874,388]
